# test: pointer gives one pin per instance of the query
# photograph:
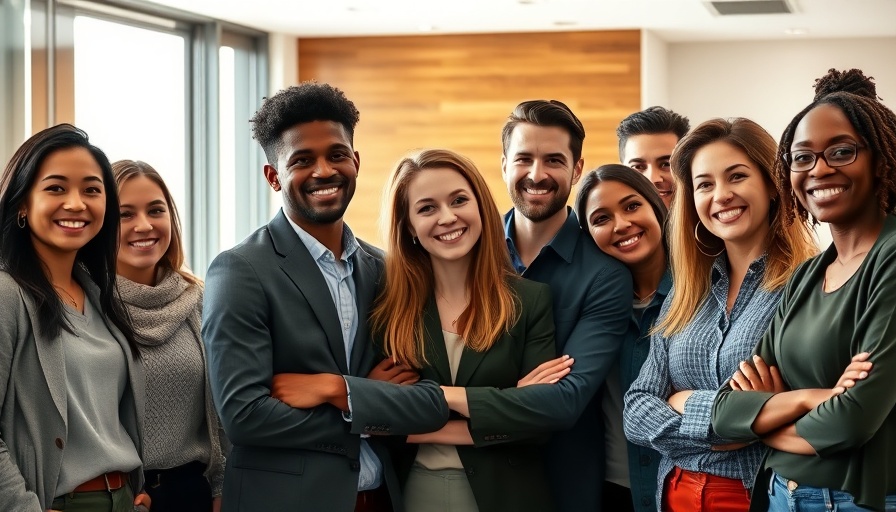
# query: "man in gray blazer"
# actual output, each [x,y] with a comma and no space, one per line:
[285,314]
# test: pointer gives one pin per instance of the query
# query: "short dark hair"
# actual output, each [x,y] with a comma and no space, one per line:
[546,113]
[98,256]
[628,177]
[309,101]
[856,96]
[651,121]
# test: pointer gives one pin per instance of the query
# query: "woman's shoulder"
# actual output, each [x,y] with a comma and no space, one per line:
[527,287]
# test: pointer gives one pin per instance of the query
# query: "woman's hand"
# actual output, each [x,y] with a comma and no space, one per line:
[857,370]
[548,372]
[142,502]
[678,399]
[758,376]
[388,371]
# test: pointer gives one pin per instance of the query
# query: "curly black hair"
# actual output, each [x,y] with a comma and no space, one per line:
[303,103]
[856,95]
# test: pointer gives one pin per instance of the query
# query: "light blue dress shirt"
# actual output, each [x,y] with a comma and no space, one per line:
[338,275]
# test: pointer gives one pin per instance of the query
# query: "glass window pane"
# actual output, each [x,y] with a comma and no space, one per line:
[228,157]
[130,97]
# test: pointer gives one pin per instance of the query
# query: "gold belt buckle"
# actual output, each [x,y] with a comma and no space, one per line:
[791,485]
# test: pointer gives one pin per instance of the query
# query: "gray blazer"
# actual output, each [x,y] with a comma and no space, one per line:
[33,402]
[268,310]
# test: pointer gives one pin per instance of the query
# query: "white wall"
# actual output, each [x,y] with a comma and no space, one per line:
[654,70]
[769,81]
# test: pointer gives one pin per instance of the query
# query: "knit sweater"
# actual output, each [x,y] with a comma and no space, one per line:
[180,420]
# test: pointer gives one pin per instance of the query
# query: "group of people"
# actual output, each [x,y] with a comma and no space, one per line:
[673,341]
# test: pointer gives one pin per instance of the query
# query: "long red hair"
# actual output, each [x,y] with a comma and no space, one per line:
[493,306]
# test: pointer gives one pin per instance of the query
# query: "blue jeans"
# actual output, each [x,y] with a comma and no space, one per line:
[813,499]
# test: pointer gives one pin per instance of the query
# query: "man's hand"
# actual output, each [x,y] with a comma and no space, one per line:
[758,377]
[548,372]
[388,371]
[304,391]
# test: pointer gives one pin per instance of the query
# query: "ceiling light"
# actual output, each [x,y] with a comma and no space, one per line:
[796,31]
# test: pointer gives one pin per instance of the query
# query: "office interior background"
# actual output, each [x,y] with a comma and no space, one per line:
[174,82]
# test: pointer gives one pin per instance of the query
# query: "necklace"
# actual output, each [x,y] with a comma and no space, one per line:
[646,298]
[854,256]
[71,300]
[450,305]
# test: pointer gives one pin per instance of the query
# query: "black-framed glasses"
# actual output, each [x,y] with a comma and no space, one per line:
[838,155]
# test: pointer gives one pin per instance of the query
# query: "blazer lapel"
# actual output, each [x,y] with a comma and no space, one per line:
[303,271]
[52,361]
[469,361]
[434,343]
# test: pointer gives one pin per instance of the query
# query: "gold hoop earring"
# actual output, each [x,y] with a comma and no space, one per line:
[700,242]
[21,221]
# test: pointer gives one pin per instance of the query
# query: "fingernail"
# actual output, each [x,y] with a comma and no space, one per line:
[863,374]
[565,357]
[756,358]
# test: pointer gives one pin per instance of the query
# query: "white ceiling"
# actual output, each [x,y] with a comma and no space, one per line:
[672,20]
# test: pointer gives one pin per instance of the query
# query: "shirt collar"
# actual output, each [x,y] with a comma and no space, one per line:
[563,243]
[318,250]
[720,267]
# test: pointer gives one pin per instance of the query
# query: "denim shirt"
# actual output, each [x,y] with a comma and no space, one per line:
[702,357]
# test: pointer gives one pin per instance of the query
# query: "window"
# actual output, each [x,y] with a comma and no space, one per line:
[149,83]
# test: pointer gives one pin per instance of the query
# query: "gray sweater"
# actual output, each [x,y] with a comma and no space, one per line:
[180,421]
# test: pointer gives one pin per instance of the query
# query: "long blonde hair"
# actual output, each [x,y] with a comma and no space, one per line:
[493,307]
[174,258]
[788,242]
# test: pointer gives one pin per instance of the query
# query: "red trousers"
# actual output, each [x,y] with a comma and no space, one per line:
[688,491]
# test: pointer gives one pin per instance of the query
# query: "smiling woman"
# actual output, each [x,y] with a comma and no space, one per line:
[67,353]
[830,428]
[481,326]
[183,456]
[721,302]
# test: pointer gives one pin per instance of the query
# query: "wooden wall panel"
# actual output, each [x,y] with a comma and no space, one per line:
[456,92]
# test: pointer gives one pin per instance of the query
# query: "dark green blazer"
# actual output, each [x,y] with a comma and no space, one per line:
[505,468]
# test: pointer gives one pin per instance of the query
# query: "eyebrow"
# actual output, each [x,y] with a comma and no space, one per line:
[727,170]
[65,178]
[429,199]
[151,203]
[644,160]
[832,140]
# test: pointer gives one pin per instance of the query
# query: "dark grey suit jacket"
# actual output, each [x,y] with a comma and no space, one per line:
[268,310]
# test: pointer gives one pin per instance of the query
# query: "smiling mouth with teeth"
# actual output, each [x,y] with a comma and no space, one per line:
[447,237]
[628,241]
[143,243]
[74,224]
[324,191]
[729,214]
[824,193]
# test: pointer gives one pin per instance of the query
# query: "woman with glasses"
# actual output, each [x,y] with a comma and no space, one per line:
[828,413]
[732,250]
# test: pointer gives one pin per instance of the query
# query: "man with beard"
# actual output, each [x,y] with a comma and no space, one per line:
[592,296]
[646,141]
[284,324]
